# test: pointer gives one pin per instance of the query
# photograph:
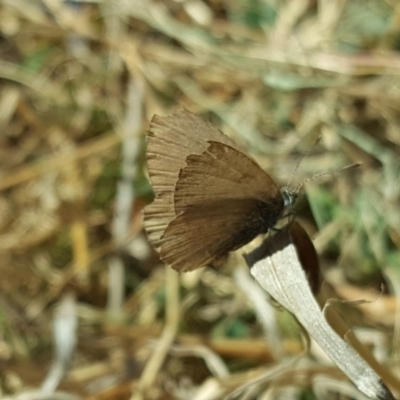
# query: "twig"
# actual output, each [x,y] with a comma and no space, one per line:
[125,196]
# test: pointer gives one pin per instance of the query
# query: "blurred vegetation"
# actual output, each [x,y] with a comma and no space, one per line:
[79,83]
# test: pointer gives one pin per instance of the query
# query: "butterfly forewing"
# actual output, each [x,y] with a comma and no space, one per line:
[223,199]
[190,243]
[222,173]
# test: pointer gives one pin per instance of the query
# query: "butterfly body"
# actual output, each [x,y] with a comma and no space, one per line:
[210,198]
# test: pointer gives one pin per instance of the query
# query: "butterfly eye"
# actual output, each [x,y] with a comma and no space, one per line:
[289,196]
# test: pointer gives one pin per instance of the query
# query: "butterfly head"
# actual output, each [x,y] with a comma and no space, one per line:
[290,195]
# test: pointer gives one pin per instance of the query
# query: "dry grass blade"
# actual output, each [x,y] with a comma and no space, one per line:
[282,275]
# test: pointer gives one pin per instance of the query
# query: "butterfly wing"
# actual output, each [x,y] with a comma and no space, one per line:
[170,140]
[201,236]
[222,200]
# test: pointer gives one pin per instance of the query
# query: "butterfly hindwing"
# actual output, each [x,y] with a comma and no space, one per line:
[169,142]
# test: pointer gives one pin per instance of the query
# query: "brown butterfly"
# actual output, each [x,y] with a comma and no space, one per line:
[210,198]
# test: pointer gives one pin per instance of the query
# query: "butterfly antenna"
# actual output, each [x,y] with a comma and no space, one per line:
[298,187]
[350,166]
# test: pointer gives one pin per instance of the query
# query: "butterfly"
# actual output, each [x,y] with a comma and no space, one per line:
[210,197]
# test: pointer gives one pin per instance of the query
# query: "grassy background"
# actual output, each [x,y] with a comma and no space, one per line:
[79,82]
